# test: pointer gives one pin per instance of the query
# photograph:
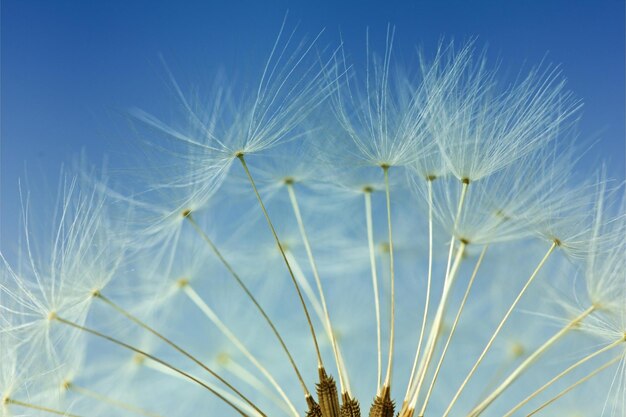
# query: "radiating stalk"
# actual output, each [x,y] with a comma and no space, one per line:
[157,367]
[307,245]
[437,322]
[457,218]
[516,352]
[370,243]
[252,298]
[38,407]
[304,284]
[320,362]
[500,326]
[175,346]
[576,384]
[452,330]
[393,280]
[564,373]
[153,358]
[428,287]
[111,401]
[210,314]
[415,384]
[317,307]
[235,368]
[529,361]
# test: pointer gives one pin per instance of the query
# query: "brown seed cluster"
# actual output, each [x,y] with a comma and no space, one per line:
[328,399]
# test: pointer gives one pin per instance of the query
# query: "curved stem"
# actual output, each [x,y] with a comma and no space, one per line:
[452,330]
[428,288]
[176,347]
[210,314]
[393,286]
[577,383]
[38,407]
[329,328]
[307,290]
[370,243]
[232,366]
[252,298]
[500,326]
[564,373]
[529,361]
[151,357]
[415,385]
[320,363]
[116,403]
[435,330]
[155,366]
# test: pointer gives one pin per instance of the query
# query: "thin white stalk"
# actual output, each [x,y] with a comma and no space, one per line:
[500,326]
[428,288]
[436,326]
[317,307]
[576,384]
[251,296]
[107,400]
[529,361]
[450,335]
[306,287]
[212,316]
[343,366]
[326,318]
[173,345]
[239,371]
[179,372]
[392,331]
[416,384]
[11,401]
[564,373]
[320,362]
[158,367]
[457,217]
[515,352]
[370,242]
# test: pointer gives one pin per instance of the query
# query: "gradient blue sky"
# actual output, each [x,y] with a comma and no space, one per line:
[71,68]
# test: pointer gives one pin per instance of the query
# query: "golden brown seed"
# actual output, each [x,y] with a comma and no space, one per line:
[314,408]
[383,406]
[349,406]
[327,395]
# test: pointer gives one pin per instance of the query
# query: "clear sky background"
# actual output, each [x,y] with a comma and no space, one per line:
[70,69]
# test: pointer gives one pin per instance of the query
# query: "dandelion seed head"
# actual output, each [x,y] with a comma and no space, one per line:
[337,240]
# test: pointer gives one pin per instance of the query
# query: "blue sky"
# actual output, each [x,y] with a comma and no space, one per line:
[70,69]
